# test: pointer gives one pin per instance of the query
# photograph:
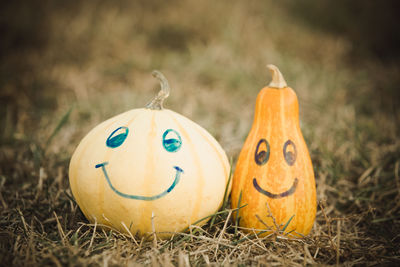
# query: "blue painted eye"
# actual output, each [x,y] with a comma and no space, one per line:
[117,137]
[171,140]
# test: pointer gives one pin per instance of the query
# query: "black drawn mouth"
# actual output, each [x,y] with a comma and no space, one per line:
[287,193]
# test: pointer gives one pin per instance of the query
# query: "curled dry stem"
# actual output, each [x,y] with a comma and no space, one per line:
[157,102]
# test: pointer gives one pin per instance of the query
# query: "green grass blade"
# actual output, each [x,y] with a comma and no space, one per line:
[61,123]
[237,213]
[287,223]
[225,201]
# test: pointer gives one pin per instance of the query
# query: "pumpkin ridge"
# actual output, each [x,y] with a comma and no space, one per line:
[286,107]
[107,159]
[287,172]
[196,159]
[77,158]
[220,156]
[244,169]
[102,184]
[260,203]
[147,206]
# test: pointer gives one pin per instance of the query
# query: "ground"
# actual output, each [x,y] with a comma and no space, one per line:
[66,67]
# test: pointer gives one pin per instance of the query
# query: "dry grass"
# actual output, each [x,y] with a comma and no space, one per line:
[95,61]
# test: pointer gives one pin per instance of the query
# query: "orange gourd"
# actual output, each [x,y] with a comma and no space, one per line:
[274,178]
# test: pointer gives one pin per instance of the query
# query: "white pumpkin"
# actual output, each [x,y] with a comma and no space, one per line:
[149,162]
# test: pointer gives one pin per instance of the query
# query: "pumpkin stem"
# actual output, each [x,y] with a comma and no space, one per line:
[277,78]
[157,102]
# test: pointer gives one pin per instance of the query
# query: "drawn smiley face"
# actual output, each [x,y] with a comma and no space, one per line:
[261,157]
[171,141]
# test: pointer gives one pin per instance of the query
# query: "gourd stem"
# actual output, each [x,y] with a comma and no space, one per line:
[157,102]
[277,78]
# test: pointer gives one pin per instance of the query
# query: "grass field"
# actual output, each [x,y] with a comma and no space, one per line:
[66,67]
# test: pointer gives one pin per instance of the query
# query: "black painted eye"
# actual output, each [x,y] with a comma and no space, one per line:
[172,141]
[289,154]
[117,137]
[261,157]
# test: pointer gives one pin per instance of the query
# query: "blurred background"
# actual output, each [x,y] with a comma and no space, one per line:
[98,55]
[66,66]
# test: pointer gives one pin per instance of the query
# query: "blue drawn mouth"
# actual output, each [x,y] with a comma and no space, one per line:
[287,193]
[179,171]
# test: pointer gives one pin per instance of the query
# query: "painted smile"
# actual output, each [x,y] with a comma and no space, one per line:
[179,171]
[287,193]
